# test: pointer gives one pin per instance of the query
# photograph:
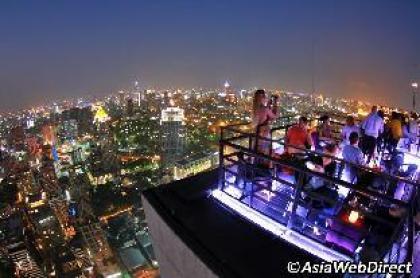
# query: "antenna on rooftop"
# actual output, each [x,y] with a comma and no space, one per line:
[313,66]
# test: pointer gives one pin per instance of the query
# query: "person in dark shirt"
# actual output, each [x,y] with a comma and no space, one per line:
[325,165]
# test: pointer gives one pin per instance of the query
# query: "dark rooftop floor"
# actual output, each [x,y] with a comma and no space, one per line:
[228,244]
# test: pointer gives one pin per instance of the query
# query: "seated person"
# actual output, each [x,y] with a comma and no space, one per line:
[325,165]
[297,140]
[353,154]
[298,136]
[324,129]
[323,133]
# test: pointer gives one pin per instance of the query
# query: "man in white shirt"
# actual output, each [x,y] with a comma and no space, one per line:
[413,129]
[371,127]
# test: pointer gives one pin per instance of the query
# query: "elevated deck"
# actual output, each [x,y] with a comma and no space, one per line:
[257,212]
[228,244]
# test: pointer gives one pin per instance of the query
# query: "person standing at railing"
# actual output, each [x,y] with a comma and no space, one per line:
[413,131]
[395,131]
[263,113]
[371,127]
[348,129]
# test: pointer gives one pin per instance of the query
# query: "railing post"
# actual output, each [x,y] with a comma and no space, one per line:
[296,197]
[221,160]
[410,228]
[270,151]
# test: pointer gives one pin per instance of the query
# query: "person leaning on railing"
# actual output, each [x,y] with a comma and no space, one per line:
[264,111]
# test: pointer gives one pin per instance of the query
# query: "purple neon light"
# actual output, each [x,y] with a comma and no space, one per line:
[280,230]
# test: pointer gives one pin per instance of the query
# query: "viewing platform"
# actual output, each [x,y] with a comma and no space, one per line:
[258,211]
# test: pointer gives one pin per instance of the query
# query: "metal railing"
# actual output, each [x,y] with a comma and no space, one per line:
[281,188]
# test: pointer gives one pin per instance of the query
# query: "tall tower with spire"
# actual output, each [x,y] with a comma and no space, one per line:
[229,93]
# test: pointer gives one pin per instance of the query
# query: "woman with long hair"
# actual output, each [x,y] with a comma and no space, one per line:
[263,113]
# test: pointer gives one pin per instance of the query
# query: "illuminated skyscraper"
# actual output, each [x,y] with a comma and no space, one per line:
[229,93]
[69,129]
[173,134]
[17,138]
[48,134]
[138,94]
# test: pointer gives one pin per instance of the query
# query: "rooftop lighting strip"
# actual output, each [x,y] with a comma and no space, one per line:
[410,158]
[280,230]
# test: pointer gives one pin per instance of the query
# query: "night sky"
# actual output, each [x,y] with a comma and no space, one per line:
[368,50]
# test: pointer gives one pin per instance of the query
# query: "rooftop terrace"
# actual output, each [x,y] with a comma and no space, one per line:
[257,212]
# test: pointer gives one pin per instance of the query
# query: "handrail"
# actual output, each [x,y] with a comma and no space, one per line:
[314,152]
[345,184]
[253,153]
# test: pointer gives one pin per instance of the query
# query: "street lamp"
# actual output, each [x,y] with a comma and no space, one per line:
[414,85]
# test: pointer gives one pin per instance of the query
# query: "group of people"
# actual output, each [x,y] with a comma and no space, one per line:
[359,143]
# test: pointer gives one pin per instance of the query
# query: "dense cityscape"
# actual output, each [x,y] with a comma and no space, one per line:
[206,139]
[72,172]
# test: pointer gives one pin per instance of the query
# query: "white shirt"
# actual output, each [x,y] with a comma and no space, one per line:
[413,128]
[373,125]
[346,131]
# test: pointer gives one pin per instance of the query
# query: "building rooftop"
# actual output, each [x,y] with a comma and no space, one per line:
[258,212]
[230,245]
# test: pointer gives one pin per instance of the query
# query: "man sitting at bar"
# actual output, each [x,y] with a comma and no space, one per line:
[353,154]
[325,165]
[322,134]
[297,140]
[298,136]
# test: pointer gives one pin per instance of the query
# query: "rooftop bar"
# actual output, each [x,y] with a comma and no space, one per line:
[368,218]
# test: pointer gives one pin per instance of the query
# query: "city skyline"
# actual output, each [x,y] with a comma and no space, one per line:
[131,131]
[361,49]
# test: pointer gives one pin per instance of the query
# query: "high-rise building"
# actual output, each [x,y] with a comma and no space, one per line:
[83,117]
[137,93]
[17,138]
[130,107]
[173,134]
[69,129]
[229,93]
